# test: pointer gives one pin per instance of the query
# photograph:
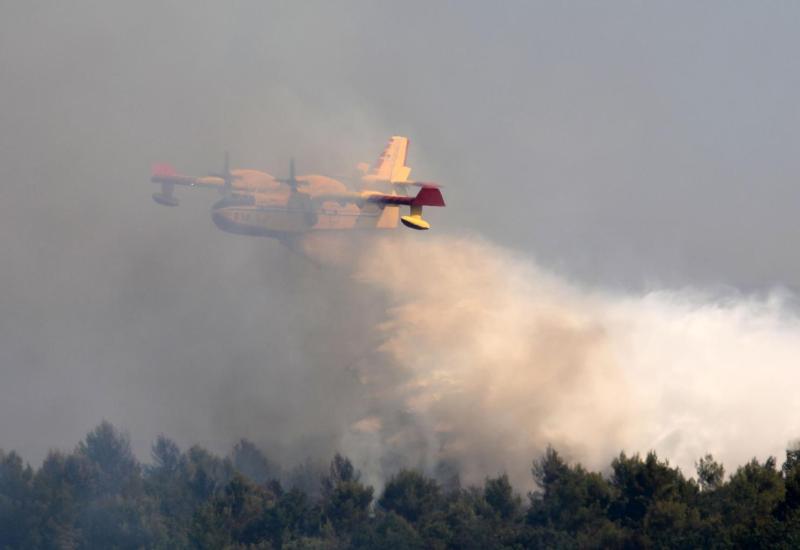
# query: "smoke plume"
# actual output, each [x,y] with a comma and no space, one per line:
[483,359]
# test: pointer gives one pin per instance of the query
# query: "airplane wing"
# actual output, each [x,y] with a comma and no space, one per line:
[165,173]
[391,165]
[168,177]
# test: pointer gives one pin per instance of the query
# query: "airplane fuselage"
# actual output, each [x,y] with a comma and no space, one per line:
[245,216]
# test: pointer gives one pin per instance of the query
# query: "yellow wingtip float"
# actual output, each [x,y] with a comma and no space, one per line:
[429,195]
[256,203]
[415,221]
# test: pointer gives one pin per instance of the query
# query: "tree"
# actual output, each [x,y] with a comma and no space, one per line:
[205,473]
[411,495]
[250,461]
[16,502]
[55,487]
[501,497]
[341,470]
[791,476]
[465,518]
[166,457]
[640,483]
[569,498]
[306,477]
[345,500]
[94,497]
[654,501]
[293,517]
[113,504]
[166,481]
[234,517]
[751,504]
[115,469]
[388,531]
[710,473]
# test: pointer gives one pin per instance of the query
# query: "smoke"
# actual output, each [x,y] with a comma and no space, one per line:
[615,131]
[484,358]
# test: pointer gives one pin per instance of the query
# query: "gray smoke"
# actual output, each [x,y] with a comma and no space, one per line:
[633,148]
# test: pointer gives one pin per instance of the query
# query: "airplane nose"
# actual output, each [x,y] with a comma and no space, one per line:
[220,220]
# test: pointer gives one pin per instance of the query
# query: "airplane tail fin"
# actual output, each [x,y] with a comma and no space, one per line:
[163,170]
[166,175]
[428,195]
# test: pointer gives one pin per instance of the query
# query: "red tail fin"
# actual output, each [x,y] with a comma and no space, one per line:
[163,170]
[429,195]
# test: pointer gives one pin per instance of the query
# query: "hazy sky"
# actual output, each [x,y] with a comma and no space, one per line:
[626,144]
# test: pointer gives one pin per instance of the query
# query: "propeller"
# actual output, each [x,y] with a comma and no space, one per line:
[291,181]
[226,176]
[298,200]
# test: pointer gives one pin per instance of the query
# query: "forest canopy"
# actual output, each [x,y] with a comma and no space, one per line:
[101,496]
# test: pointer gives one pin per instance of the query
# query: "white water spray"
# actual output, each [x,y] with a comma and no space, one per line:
[486,359]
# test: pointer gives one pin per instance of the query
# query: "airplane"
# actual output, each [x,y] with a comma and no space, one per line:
[256,203]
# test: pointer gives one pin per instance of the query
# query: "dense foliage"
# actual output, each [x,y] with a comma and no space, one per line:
[100,496]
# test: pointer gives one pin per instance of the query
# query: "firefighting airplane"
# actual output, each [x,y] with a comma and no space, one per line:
[256,203]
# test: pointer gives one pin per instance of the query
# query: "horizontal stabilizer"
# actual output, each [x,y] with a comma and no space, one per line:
[429,195]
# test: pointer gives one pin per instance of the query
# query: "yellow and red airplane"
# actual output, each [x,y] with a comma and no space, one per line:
[256,203]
